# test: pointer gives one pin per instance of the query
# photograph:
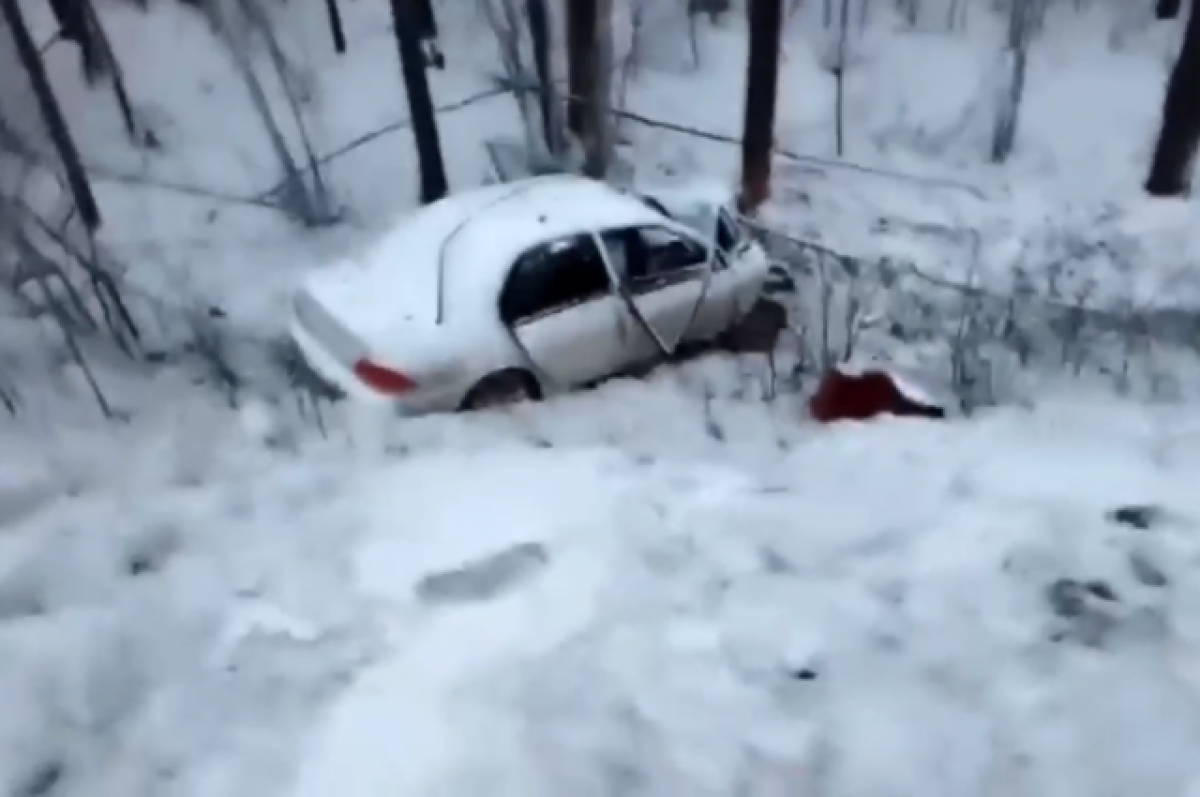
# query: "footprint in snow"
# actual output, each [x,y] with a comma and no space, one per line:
[484,578]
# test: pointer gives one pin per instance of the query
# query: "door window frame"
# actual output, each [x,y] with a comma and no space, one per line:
[647,283]
[542,250]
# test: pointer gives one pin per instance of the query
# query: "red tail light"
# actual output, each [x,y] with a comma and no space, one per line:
[382,380]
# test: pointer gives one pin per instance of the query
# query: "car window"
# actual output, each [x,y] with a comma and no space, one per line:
[644,255]
[662,251]
[554,276]
[619,249]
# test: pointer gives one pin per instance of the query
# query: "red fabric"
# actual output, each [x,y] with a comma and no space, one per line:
[860,397]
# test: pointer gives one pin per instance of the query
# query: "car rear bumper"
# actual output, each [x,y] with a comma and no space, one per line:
[325,370]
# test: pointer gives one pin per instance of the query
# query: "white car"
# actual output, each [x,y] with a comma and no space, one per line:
[525,289]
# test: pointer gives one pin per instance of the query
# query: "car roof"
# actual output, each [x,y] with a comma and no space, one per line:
[447,262]
[499,223]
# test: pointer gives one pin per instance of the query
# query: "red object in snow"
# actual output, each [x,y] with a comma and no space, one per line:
[860,397]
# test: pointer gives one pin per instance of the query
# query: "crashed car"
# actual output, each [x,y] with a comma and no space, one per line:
[525,289]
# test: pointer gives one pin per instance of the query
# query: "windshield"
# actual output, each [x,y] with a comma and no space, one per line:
[698,215]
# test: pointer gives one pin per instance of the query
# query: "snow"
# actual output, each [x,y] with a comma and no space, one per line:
[691,575]
[459,247]
[665,586]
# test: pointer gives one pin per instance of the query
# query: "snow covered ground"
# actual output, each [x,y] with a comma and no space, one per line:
[660,587]
[711,598]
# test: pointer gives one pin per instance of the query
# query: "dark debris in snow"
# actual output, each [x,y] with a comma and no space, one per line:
[486,577]
[1138,516]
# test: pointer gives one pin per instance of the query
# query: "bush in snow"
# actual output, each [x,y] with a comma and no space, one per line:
[1038,309]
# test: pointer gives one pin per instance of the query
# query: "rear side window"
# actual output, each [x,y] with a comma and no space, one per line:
[553,277]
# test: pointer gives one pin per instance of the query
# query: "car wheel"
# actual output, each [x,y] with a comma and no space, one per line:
[758,330]
[502,389]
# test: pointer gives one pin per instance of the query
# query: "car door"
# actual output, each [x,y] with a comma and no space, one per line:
[720,307]
[565,317]
[663,275]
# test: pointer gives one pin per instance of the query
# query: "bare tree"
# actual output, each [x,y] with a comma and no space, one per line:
[1179,137]
[317,206]
[56,125]
[336,29]
[1016,58]
[79,24]
[505,21]
[235,21]
[839,76]
[589,81]
[762,78]
[74,26]
[538,18]
[427,33]
[581,17]
[420,104]
[598,149]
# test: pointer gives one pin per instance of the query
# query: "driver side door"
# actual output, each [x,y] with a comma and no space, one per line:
[663,277]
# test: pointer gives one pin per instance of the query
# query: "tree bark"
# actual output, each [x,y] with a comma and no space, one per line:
[582,16]
[598,128]
[762,78]
[56,124]
[420,103]
[538,19]
[1179,137]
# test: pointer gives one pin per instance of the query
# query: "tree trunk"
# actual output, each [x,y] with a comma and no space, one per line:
[839,76]
[762,77]
[582,16]
[426,21]
[538,18]
[406,26]
[598,138]
[73,26]
[1179,136]
[99,41]
[56,125]
[336,29]
[1020,29]
[1167,9]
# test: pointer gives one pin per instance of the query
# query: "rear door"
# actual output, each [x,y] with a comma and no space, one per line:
[662,274]
[564,315]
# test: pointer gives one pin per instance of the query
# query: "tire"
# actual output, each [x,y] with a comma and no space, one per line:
[758,330]
[501,389]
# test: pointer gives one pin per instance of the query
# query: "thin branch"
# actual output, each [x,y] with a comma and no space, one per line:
[706,135]
[795,157]
[104,174]
[393,127]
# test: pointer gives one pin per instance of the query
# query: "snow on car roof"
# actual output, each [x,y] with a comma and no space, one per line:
[505,222]
[447,262]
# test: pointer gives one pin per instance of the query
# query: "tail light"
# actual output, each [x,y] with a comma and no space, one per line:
[381,379]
